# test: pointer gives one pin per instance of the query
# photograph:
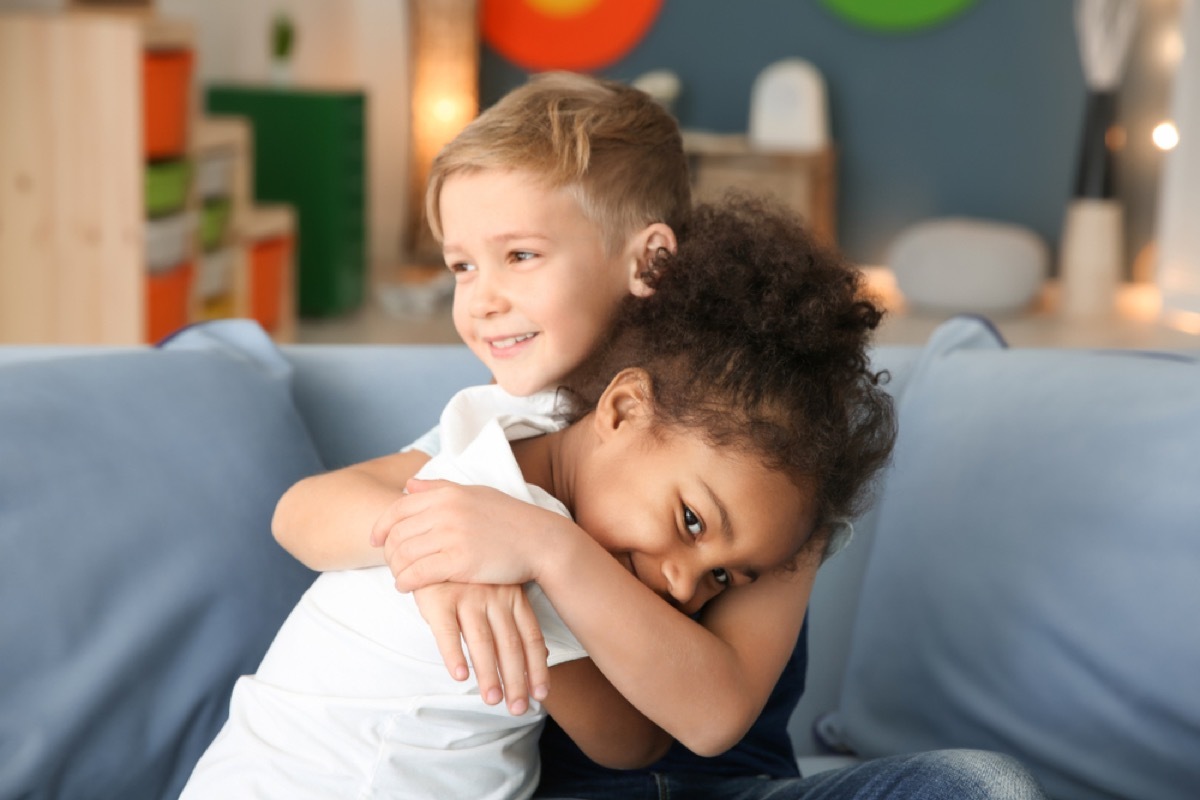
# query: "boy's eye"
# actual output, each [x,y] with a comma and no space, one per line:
[522,255]
[721,576]
[692,522]
[460,266]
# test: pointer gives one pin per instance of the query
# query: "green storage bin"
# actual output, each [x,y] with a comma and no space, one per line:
[214,220]
[166,186]
[310,152]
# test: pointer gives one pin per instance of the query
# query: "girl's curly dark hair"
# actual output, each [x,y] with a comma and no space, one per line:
[757,335]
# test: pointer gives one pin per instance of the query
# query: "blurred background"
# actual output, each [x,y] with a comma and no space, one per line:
[303,129]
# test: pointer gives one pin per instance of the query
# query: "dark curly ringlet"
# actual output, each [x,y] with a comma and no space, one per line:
[757,335]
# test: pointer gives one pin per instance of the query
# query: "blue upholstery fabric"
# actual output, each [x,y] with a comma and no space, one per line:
[1034,584]
[127,481]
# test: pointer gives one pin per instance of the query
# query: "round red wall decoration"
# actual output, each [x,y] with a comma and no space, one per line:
[577,35]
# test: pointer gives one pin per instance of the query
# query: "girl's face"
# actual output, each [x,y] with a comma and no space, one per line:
[687,519]
[534,287]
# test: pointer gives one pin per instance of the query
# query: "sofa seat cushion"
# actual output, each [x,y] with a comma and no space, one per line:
[138,574]
[1034,583]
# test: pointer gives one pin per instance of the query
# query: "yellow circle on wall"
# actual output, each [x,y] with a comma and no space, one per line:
[576,35]
[562,8]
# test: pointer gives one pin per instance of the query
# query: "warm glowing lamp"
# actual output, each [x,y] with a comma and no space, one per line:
[1165,135]
[1178,273]
[445,97]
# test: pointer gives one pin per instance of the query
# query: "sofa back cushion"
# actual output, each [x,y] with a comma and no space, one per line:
[138,574]
[1034,583]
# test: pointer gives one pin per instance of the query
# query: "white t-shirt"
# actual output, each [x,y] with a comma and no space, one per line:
[353,701]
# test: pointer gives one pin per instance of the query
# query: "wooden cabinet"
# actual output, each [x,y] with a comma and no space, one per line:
[246,250]
[803,181]
[73,219]
[110,232]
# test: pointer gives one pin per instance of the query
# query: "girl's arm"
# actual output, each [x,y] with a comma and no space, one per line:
[704,683]
[605,725]
[656,657]
[325,520]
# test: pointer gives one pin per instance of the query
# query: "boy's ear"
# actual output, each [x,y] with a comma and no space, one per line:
[625,404]
[647,243]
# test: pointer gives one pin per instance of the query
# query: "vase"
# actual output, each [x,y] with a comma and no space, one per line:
[1091,251]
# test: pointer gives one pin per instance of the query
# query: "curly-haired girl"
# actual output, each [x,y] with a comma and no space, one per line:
[717,437]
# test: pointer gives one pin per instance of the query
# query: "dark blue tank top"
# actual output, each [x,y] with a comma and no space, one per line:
[765,750]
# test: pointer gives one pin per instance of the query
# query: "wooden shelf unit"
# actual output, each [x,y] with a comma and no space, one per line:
[254,289]
[74,229]
[71,179]
[803,181]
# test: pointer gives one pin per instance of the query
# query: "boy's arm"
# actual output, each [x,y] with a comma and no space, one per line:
[325,520]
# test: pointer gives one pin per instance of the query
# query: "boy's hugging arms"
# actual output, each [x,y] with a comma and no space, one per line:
[325,520]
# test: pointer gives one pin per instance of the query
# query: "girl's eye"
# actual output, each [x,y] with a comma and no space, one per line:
[721,576]
[692,522]
[522,255]
[460,266]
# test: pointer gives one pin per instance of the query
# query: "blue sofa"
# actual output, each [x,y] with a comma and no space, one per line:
[1028,580]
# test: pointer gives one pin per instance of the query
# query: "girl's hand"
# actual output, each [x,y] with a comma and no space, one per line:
[442,531]
[502,635]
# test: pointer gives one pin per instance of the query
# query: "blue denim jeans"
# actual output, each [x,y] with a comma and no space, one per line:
[936,775]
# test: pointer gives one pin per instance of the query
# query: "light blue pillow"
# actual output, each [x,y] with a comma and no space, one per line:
[138,575]
[1034,583]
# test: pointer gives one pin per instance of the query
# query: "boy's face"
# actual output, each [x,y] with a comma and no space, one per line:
[687,519]
[535,289]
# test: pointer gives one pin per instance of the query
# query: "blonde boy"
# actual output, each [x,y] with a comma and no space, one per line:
[562,192]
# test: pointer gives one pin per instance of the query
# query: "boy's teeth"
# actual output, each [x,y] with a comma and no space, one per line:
[510,341]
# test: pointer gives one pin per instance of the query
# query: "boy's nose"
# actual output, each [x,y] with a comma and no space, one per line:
[487,296]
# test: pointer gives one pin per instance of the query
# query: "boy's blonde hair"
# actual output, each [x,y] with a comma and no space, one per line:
[612,146]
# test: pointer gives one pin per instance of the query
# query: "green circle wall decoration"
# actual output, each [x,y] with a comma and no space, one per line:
[897,16]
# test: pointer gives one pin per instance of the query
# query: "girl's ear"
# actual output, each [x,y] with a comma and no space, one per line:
[647,244]
[626,404]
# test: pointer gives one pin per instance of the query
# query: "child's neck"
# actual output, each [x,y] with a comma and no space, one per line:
[547,461]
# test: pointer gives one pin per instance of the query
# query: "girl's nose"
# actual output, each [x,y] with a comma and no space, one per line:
[683,585]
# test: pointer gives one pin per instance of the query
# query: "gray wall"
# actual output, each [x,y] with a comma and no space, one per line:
[978,117]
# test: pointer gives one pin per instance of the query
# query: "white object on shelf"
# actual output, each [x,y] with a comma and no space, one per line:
[1091,257]
[169,241]
[788,107]
[215,276]
[963,265]
[418,296]
[661,84]
[214,173]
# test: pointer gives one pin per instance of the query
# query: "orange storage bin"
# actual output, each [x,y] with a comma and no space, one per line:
[269,260]
[166,89]
[168,300]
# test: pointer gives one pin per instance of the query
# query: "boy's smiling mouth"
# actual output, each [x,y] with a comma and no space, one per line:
[509,342]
